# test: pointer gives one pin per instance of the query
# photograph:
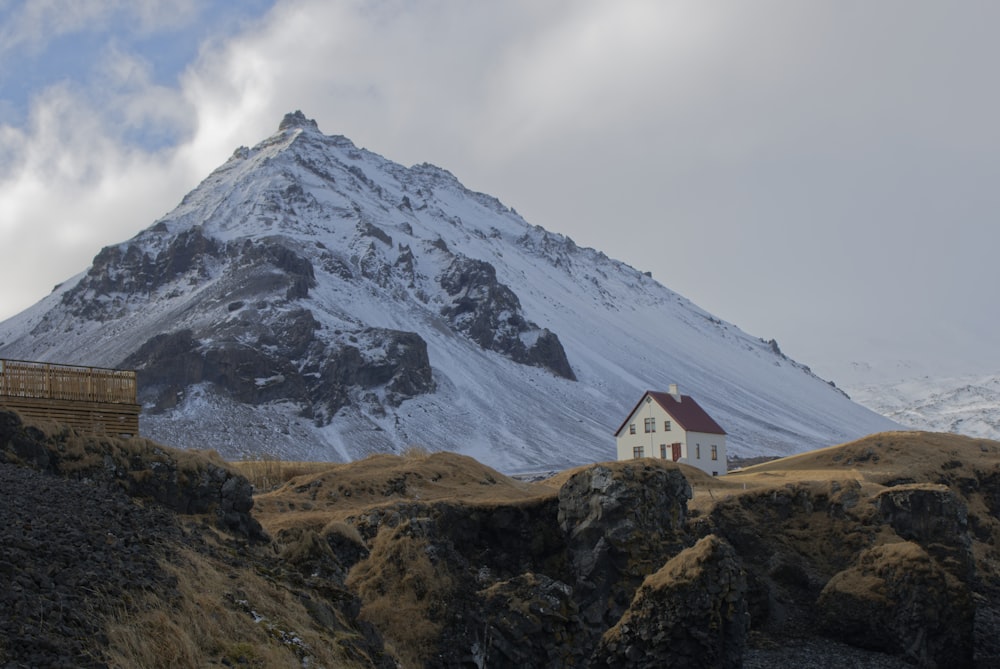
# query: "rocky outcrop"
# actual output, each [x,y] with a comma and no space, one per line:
[181,481]
[935,518]
[445,560]
[489,313]
[284,360]
[529,584]
[127,270]
[530,620]
[621,523]
[913,597]
[792,539]
[899,599]
[297,119]
[890,569]
[690,613]
[261,257]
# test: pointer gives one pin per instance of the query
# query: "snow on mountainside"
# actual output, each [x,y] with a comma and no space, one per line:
[967,405]
[314,300]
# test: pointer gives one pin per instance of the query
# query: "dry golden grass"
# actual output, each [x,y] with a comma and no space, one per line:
[685,567]
[266,473]
[221,614]
[885,457]
[336,491]
[405,594]
[78,453]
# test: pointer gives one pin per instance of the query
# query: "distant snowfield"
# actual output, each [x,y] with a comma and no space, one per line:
[968,405]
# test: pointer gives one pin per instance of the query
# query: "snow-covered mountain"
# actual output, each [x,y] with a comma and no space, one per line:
[314,300]
[968,405]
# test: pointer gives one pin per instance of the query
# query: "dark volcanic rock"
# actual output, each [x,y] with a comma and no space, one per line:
[297,119]
[690,613]
[529,621]
[128,270]
[933,517]
[287,362]
[188,483]
[621,523]
[298,272]
[71,552]
[489,313]
[899,599]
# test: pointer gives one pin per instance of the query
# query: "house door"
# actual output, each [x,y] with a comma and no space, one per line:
[676,451]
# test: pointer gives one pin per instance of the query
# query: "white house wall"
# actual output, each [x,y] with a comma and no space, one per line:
[690,442]
[706,441]
[649,441]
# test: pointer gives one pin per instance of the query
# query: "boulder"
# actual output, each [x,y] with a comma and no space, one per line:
[898,599]
[934,517]
[621,522]
[691,613]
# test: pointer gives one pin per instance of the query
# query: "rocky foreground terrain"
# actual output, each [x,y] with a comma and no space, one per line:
[876,553]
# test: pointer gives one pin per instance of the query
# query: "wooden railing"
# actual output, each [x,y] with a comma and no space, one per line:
[44,381]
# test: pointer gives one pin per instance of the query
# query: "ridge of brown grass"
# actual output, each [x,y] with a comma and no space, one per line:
[884,458]
[335,491]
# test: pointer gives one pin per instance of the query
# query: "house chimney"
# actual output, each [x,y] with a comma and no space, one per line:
[674,392]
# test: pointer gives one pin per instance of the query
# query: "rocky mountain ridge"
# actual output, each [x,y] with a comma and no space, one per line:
[313,300]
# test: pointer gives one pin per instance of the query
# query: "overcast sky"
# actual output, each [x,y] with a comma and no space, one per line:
[824,173]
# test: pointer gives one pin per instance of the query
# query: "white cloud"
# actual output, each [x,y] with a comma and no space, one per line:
[32,24]
[75,189]
[811,150]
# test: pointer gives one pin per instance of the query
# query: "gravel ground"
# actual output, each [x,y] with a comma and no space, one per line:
[70,552]
[818,653]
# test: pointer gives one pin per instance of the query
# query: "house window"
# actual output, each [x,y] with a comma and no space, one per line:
[663,451]
[650,425]
[666,426]
[715,452]
[631,428]
[715,473]
[637,451]
[697,451]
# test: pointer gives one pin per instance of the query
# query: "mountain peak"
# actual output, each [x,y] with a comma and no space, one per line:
[314,300]
[297,119]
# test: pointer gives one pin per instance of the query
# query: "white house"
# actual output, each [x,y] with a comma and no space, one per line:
[674,426]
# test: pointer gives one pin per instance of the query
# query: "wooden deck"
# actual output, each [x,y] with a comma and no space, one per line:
[93,400]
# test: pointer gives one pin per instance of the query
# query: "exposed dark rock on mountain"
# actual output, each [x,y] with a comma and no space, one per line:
[284,362]
[122,273]
[489,313]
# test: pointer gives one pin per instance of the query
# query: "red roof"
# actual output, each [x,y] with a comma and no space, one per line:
[687,413]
